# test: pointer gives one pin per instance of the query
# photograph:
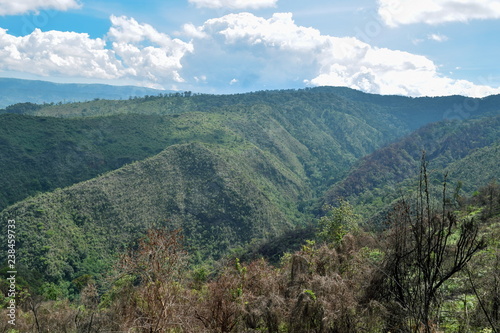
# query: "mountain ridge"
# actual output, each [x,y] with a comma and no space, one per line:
[219,196]
[13,91]
[450,147]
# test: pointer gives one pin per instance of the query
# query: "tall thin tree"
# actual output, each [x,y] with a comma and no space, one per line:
[427,247]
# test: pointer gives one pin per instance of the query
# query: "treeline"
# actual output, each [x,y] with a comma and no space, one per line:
[165,95]
[24,108]
[436,268]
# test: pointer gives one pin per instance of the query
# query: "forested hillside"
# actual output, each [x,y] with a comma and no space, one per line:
[407,112]
[328,129]
[309,134]
[467,152]
[359,282]
[219,196]
[246,175]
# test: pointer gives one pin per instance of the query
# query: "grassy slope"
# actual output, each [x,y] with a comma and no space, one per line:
[40,154]
[409,112]
[267,161]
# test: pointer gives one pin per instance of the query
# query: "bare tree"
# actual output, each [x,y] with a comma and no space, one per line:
[426,248]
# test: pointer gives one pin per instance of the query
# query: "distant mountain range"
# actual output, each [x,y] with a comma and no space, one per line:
[84,180]
[14,91]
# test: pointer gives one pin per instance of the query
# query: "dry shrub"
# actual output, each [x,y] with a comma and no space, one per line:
[49,316]
[337,300]
[327,285]
[221,308]
[299,275]
[307,314]
[373,317]
[149,294]
[326,261]
[264,306]
[243,298]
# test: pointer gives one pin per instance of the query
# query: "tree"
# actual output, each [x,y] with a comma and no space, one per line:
[337,222]
[426,248]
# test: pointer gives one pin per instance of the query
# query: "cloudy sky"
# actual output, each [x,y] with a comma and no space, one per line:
[404,47]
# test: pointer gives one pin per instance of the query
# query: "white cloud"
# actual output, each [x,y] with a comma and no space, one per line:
[138,52]
[58,53]
[237,50]
[437,37]
[398,12]
[234,4]
[278,31]
[192,31]
[201,78]
[433,37]
[417,41]
[128,30]
[158,61]
[276,52]
[10,7]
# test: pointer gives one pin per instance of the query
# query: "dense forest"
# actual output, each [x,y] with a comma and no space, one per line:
[315,210]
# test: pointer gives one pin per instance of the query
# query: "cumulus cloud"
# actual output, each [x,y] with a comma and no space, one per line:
[192,31]
[237,50]
[399,12]
[10,7]
[234,4]
[278,51]
[145,51]
[55,52]
[137,52]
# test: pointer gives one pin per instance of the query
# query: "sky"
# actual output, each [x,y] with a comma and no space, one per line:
[401,47]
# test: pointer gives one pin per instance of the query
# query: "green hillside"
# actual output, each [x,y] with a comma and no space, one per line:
[41,154]
[85,180]
[219,196]
[407,112]
[312,135]
[479,167]
[466,151]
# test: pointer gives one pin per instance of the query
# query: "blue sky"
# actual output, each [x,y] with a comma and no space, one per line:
[405,47]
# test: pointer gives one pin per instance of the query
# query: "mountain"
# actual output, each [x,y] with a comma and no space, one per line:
[86,179]
[40,154]
[418,111]
[219,196]
[310,135]
[465,151]
[13,91]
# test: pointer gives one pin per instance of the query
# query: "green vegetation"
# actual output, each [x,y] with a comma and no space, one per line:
[348,286]
[337,222]
[41,154]
[467,151]
[273,205]
[220,197]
